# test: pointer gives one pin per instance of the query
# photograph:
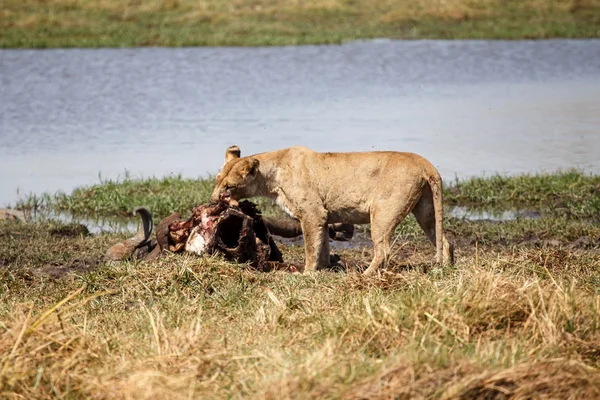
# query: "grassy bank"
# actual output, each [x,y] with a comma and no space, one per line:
[567,194]
[113,23]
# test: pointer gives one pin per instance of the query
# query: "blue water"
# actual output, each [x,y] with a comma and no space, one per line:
[471,107]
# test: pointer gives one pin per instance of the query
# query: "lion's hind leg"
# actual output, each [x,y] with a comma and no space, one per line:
[425,215]
[385,216]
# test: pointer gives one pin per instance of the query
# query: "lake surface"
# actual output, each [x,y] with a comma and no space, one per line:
[471,107]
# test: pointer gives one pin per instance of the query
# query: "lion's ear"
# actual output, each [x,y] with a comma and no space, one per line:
[231,153]
[251,167]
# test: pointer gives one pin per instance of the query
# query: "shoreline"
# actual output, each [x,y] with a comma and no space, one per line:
[557,191]
[185,23]
[342,43]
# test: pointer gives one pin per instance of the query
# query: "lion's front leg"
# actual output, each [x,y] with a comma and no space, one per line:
[316,244]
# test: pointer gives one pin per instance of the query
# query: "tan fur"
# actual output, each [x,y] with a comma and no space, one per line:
[358,188]
[231,153]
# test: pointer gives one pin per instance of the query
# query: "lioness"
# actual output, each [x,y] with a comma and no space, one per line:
[319,188]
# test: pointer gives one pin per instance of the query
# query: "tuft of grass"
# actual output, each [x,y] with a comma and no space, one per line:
[114,198]
[506,321]
[566,193]
[113,23]
[119,197]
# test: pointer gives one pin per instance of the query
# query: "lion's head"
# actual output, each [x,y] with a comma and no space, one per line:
[237,177]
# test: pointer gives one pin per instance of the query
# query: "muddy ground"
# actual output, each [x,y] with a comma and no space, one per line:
[55,249]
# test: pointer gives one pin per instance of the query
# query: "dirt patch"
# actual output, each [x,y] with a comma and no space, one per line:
[74,266]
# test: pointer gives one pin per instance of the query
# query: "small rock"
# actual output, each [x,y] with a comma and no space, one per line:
[12,215]
[552,243]
[582,242]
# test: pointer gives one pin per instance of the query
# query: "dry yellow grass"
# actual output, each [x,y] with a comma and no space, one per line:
[519,321]
[56,23]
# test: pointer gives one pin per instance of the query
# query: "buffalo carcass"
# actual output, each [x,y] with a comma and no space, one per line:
[236,230]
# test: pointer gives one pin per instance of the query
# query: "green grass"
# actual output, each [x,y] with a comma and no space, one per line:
[113,23]
[569,194]
[118,198]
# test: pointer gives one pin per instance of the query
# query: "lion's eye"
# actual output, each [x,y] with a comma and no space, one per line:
[227,187]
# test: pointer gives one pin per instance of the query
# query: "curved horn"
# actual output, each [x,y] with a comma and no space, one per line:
[125,249]
[147,224]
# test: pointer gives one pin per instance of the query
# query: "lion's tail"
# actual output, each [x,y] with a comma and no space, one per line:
[435,183]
